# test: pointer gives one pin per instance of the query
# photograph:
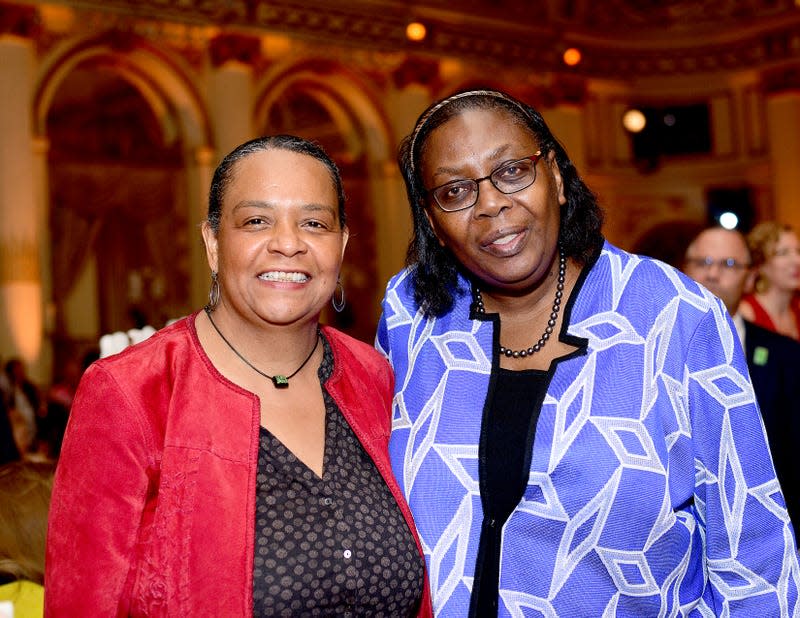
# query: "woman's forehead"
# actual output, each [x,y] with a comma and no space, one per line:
[478,131]
[282,172]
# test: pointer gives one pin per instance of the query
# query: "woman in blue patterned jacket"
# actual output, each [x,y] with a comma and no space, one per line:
[574,426]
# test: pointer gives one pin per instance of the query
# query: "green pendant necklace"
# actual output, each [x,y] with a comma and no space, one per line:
[278,380]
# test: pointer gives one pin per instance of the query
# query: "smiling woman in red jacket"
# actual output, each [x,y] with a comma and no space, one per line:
[235,463]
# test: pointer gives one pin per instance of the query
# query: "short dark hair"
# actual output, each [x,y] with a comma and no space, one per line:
[434,270]
[224,172]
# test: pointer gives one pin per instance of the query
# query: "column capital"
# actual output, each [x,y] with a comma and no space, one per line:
[21,21]
[781,79]
[417,70]
[204,155]
[226,48]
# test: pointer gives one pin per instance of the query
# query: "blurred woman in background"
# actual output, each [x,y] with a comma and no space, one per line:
[776,258]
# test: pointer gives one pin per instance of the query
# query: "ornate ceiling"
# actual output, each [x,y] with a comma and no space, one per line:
[617,37]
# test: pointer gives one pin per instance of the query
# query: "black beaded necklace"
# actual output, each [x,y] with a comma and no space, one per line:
[562,274]
[278,380]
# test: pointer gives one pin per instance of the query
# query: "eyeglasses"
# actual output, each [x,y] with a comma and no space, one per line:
[724,264]
[508,178]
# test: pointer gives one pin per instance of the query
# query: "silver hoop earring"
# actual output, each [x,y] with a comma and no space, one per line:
[213,293]
[338,305]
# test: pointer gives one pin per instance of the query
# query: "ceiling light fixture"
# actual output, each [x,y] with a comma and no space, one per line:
[634,121]
[416,31]
[572,56]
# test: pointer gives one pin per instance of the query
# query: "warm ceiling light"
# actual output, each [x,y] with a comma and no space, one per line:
[572,56]
[633,120]
[415,31]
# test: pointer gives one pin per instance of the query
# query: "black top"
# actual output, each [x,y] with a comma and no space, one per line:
[507,434]
[336,545]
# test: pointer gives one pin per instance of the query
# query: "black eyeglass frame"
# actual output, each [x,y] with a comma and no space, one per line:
[534,158]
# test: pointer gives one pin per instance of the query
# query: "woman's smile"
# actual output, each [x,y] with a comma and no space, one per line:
[505,243]
[284,276]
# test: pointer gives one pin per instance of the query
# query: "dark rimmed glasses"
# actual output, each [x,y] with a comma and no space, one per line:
[508,178]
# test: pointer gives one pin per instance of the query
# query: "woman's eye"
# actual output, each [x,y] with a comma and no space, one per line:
[455,191]
[316,224]
[512,171]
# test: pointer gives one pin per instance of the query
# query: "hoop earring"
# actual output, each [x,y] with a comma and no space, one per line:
[338,305]
[213,293]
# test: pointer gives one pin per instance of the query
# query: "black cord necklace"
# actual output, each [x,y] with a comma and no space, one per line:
[562,275]
[278,380]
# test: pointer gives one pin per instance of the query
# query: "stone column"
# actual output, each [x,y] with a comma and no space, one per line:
[21,298]
[199,172]
[783,130]
[231,89]
[393,221]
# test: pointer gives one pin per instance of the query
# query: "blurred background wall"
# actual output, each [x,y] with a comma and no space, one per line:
[114,114]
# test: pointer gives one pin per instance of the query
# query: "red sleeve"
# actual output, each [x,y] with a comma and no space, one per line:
[100,489]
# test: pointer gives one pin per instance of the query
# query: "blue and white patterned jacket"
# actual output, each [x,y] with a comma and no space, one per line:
[651,489]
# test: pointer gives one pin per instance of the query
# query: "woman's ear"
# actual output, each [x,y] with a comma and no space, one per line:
[557,179]
[345,238]
[432,223]
[211,243]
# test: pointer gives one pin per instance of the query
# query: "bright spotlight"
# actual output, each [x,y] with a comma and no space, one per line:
[572,56]
[634,120]
[728,220]
[416,31]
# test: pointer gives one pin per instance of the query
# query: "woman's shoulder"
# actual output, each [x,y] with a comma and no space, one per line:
[630,280]
[169,351]
[349,351]
[173,336]
[342,342]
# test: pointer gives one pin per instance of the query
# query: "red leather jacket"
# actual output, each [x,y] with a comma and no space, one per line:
[153,505]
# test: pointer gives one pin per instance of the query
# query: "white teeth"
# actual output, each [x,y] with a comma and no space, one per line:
[504,239]
[279,275]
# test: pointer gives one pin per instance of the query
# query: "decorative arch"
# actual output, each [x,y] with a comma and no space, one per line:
[137,217]
[161,80]
[339,89]
[321,100]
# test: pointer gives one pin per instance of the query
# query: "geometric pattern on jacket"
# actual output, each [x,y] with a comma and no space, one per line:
[651,489]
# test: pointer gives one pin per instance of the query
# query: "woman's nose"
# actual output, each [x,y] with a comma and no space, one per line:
[491,201]
[286,239]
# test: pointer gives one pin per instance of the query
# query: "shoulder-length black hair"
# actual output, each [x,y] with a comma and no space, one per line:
[434,270]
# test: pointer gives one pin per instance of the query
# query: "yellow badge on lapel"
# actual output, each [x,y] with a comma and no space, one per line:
[760,356]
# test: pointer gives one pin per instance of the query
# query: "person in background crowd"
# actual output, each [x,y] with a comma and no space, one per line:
[574,428]
[235,463]
[25,488]
[58,403]
[720,260]
[23,401]
[776,257]
[8,445]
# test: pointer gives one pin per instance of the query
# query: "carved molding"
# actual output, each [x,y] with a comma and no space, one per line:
[621,40]
[678,38]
